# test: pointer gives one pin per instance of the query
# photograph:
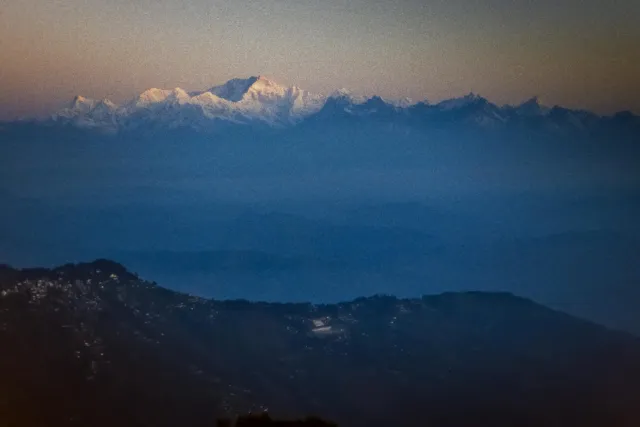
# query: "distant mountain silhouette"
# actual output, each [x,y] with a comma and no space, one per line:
[94,345]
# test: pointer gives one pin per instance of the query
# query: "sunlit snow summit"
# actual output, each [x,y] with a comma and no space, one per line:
[258,101]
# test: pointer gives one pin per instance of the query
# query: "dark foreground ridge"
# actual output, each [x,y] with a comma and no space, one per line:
[92,344]
[264,420]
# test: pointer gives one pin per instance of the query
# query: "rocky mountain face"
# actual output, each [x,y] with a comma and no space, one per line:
[93,344]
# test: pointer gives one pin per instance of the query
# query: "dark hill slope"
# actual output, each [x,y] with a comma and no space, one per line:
[92,344]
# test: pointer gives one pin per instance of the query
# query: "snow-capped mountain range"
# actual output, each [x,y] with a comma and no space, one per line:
[252,100]
[260,101]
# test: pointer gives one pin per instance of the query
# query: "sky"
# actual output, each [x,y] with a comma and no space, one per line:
[576,53]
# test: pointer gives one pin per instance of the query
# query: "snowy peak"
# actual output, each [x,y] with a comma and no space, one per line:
[106,103]
[235,89]
[344,97]
[255,87]
[179,95]
[258,98]
[81,104]
[89,113]
[157,96]
[151,96]
[80,100]
[263,89]
[264,85]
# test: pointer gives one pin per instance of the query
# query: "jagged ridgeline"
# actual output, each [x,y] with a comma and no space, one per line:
[94,345]
[260,102]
